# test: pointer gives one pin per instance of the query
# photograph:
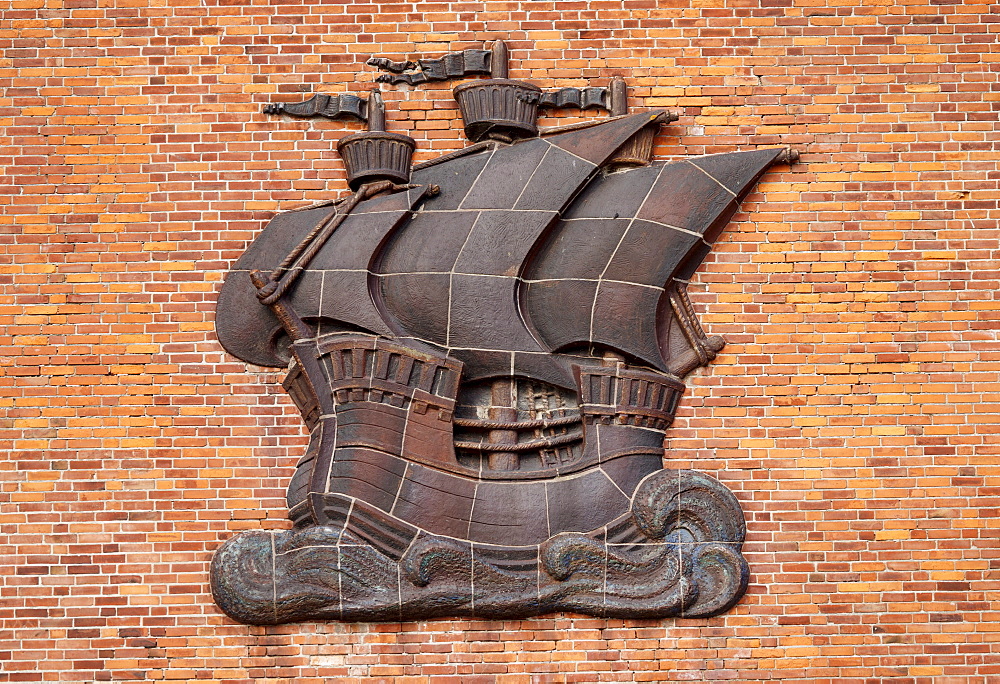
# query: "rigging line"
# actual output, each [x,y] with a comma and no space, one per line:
[296,262]
[294,254]
[544,443]
[304,253]
[517,425]
[685,319]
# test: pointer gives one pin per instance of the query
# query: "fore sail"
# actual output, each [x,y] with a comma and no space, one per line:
[332,294]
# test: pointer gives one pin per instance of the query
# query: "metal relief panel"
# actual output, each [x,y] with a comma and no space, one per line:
[489,350]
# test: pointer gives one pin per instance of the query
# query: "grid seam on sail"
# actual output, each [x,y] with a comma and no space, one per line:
[527,183]
[563,149]
[508,211]
[451,276]
[655,223]
[713,178]
[526,281]
[461,205]
[414,273]
[600,278]
[322,287]
[592,280]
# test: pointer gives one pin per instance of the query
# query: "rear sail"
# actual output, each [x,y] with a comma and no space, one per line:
[613,271]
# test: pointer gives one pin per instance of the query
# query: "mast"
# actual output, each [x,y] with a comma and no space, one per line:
[503,408]
[500,56]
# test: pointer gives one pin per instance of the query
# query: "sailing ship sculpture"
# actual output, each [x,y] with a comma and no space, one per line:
[487,350]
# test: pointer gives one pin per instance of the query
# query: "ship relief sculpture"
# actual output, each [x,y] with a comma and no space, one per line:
[487,350]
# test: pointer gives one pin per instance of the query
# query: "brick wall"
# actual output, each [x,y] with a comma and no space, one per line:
[855,412]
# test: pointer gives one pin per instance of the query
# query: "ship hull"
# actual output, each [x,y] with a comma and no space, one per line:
[389,525]
[381,419]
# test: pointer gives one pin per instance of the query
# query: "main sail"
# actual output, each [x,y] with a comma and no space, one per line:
[452,276]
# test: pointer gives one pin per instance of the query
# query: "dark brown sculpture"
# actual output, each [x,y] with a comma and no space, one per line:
[487,355]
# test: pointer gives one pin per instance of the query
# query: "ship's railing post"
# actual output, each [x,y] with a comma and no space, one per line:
[503,408]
